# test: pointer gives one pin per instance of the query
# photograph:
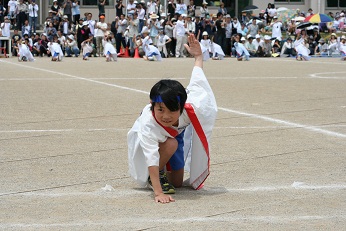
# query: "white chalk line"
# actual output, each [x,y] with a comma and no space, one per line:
[305,62]
[309,128]
[115,192]
[120,221]
[140,78]
[64,130]
[126,129]
[318,75]
[283,122]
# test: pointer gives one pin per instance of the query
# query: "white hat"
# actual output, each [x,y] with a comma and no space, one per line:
[267,37]
[135,2]
[65,16]
[184,15]
[275,17]
[71,37]
[55,0]
[242,39]
[249,36]
[343,37]
[205,33]
[257,36]
[204,2]
[342,14]
[145,30]
[154,16]
[228,16]
[85,23]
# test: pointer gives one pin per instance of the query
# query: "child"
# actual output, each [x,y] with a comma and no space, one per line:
[87,47]
[301,49]
[241,52]
[109,50]
[174,118]
[162,40]
[55,49]
[342,47]
[151,52]
[24,53]
[211,49]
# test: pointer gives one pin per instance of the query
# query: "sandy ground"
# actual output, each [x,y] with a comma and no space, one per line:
[278,159]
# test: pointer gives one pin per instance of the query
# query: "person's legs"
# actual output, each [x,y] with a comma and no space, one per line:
[34,25]
[166,150]
[76,52]
[68,51]
[178,46]
[98,45]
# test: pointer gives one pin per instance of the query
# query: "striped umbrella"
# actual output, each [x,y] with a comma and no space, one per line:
[318,18]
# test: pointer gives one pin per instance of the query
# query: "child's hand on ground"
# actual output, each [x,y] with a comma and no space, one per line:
[163,198]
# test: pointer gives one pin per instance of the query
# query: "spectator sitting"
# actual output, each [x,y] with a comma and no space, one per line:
[265,47]
[333,44]
[71,46]
[250,46]
[321,48]
[276,49]
[342,47]
[287,48]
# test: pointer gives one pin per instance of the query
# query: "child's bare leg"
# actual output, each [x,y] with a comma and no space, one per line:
[166,150]
[176,177]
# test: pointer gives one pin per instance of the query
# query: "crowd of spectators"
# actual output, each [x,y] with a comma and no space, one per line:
[262,35]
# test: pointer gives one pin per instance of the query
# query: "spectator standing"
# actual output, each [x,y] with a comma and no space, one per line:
[220,31]
[181,7]
[91,24]
[131,7]
[171,8]
[154,26]
[222,9]
[180,36]
[33,14]
[199,27]
[2,12]
[100,33]
[151,6]
[228,34]
[276,25]
[55,8]
[12,7]
[22,8]
[133,31]
[76,11]
[68,9]
[121,28]
[119,8]
[101,5]
[141,15]
[204,10]
[191,9]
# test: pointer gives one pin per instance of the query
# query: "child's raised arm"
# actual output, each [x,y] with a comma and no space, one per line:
[194,48]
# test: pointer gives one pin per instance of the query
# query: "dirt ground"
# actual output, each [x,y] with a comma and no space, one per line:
[278,159]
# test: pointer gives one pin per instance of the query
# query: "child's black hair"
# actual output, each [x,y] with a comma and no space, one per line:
[170,92]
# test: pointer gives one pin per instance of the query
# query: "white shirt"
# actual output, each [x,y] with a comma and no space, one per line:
[33,10]
[129,7]
[272,12]
[12,5]
[161,40]
[276,32]
[180,28]
[92,26]
[5,26]
[100,33]
[151,7]
[141,14]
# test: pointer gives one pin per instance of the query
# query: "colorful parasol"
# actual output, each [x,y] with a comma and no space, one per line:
[318,18]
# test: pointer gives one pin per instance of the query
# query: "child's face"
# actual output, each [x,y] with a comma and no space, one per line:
[165,116]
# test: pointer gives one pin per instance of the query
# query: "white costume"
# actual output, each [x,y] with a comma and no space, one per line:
[55,50]
[211,47]
[301,49]
[241,51]
[109,50]
[24,51]
[197,119]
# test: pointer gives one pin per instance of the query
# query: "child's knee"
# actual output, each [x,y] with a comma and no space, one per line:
[169,146]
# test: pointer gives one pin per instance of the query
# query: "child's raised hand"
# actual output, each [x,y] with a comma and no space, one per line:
[163,198]
[194,48]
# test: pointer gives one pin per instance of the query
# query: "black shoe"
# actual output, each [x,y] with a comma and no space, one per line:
[167,188]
